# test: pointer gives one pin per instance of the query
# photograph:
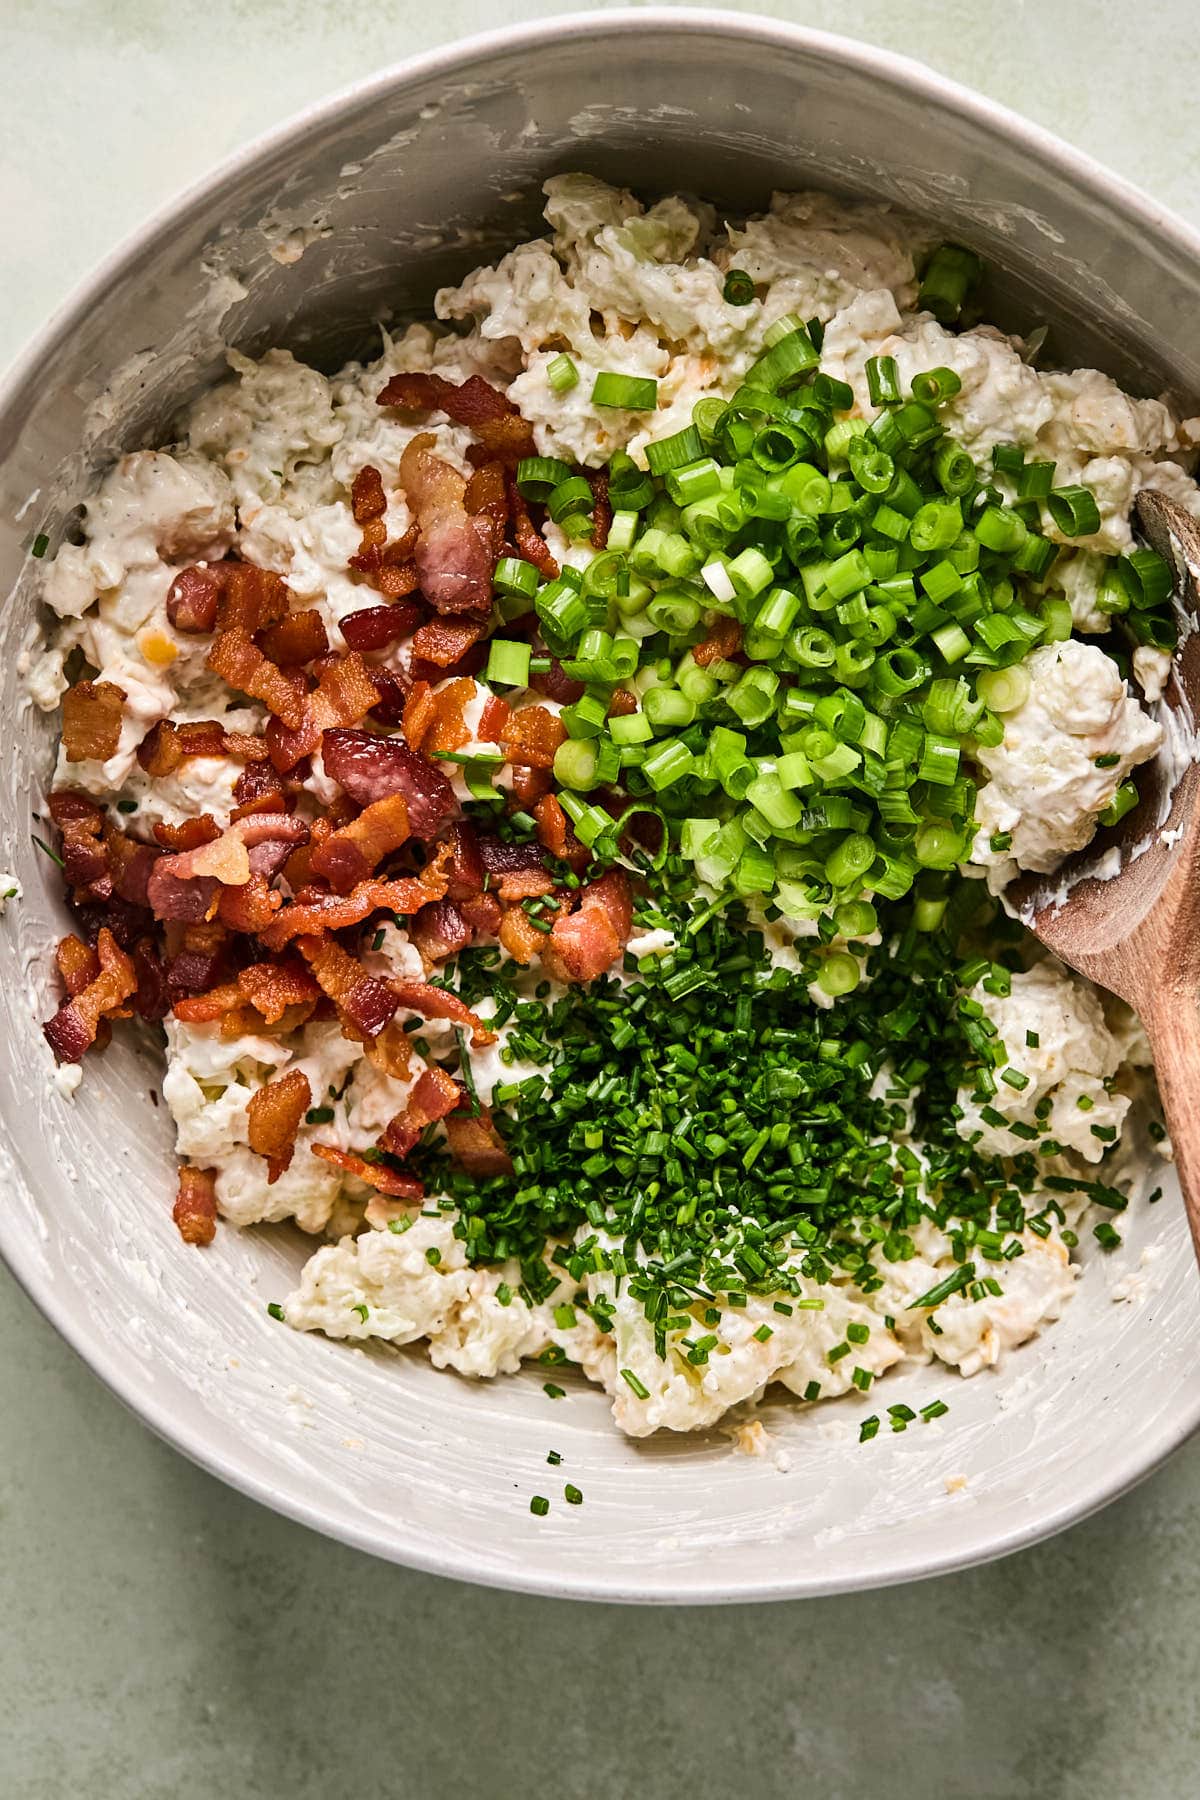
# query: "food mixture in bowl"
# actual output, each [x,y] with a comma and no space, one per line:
[554,785]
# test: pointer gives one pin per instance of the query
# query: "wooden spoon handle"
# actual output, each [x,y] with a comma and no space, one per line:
[1173,1029]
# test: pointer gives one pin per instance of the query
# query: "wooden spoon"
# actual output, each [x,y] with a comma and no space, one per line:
[1138,933]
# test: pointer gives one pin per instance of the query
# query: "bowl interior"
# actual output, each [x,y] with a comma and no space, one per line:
[356,214]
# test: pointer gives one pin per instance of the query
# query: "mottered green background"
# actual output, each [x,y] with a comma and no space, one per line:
[162,1638]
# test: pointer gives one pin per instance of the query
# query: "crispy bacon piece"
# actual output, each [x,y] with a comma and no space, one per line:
[602,511]
[376,1175]
[300,638]
[130,865]
[443,641]
[528,785]
[350,855]
[419,709]
[205,1008]
[515,871]
[556,834]
[476,1145]
[363,1002]
[470,403]
[78,964]
[166,745]
[151,998]
[375,627]
[345,693]
[259,788]
[74,1027]
[237,659]
[519,936]
[367,498]
[532,736]
[493,720]
[528,541]
[390,1052]
[482,912]
[189,834]
[439,931]
[81,824]
[272,987]
[585,943]
[195,1209]
[723,641]
[502,440]
[487,495]
[398,580]
[455,554]
[370,768]
[433,1097]
[250,907]
[334,912]
[273,1117]
[193,597]
[622,704]
[436,1003]
[449,729]
[184,885]
[464,864]
[375,556]
[251,598]
[92,712]
[160,751]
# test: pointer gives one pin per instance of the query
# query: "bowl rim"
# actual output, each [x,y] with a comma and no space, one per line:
[283,1496]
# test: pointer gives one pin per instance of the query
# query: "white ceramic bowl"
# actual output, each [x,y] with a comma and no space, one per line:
[410,179]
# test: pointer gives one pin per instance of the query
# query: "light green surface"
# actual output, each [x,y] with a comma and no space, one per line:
[163,1638]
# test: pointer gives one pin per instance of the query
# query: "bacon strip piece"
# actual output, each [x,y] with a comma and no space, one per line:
[557,835]
[476,1145]
[251,598]
[443,641]
[273,1117]
[350,855]
[345,693]
[376,1175]
[74,1026]
[532,736]
[92,712]
[195,1209]
[433,1096]
[300,638]
[723,641]
[270,988]
[78,964]
[493,719]
[520,936]
[456,553]
[370,768]
[470,402]
[516,871]
[585,943]
[602,511]
[439,931]
[375,627]
[367,498]
[437,1003]
[189,834]
[334,912]
[528,541]
[193,596]
[81,824]
[363,1002]
[237,659]
[184,886]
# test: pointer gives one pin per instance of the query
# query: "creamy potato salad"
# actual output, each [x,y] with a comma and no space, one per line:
[553,785]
